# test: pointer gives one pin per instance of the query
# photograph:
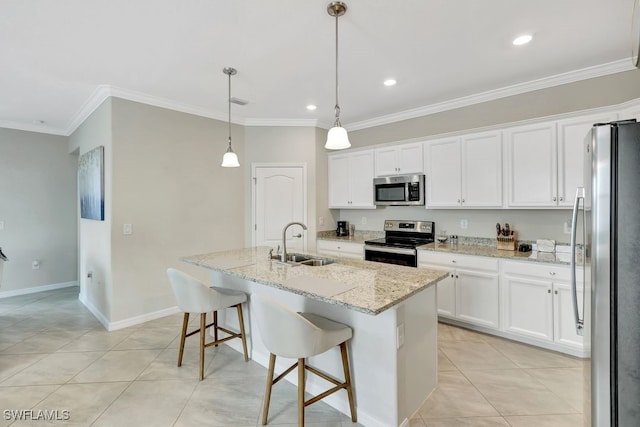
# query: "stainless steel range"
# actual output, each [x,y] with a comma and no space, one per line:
[400,242]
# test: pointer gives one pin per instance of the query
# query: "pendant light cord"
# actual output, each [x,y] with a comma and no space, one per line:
[229,104]
[337,107]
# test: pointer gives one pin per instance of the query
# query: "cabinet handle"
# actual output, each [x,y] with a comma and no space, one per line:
[554,199]
[452,275]
[462,200]
[562,199]
[457,276]
[548,291]
[553,273]
[556,292]
[453,261]
[458,200]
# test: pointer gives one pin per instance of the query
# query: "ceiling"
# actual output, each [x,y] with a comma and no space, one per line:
[59,59]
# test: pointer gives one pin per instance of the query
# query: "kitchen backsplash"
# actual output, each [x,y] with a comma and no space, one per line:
[530,224]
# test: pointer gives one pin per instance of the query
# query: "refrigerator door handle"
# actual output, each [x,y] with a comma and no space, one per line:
[574,232]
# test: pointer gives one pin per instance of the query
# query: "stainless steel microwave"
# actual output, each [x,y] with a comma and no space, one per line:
[399,190]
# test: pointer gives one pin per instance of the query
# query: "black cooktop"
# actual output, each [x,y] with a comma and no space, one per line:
[398,242]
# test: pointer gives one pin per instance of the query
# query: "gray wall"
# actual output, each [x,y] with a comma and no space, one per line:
[38,206]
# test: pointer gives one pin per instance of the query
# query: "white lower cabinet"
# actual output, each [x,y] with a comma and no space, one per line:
[521,300]
[538,302]
[341,249]
[471,293]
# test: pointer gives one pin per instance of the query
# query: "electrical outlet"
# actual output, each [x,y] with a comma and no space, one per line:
[464,224]
[321,220]
[567,226]
[364,220]
[127,229]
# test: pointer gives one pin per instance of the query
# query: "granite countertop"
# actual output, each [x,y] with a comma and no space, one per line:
[466,245]
[357,237]
[365,286]
[561,256]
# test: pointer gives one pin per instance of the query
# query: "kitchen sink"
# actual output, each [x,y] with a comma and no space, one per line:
[301,259]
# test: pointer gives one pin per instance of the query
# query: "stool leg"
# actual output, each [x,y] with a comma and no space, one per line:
[267,394]
[347,380]
[215,326]
[203,324]
[243,336]
[183,336]
[301,392]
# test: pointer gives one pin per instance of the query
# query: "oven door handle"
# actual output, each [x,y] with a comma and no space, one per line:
[389,250]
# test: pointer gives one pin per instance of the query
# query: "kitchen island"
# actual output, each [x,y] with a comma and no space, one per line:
[391,309]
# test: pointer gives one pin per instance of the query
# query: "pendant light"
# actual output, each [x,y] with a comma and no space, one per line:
[230,159]
[337,138]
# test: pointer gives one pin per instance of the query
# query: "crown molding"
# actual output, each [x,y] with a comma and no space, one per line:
[102,92]
[547,82]
[32,127]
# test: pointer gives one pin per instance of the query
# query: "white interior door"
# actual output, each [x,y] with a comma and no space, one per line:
[279,198]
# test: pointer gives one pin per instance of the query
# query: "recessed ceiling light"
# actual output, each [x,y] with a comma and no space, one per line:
[389,82]
[311,107]
[524,39]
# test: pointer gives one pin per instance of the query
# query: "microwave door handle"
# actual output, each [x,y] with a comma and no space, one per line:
[574,232]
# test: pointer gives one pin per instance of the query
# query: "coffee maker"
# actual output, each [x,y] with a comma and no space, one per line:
[343,228]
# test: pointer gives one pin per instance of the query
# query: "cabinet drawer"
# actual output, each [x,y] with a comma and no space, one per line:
[538,270]
[449,260]
[341,248]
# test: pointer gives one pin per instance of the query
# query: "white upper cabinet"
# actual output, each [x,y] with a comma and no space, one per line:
[443,173]
[399,160]
[632,112]
[465,171]
[573,137]
[482,170]
[532,166]
[351,180]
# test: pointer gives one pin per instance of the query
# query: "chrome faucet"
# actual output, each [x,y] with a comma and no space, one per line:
[284,238]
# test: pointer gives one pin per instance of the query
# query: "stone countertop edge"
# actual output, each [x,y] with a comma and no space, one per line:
[492,252]
[377,286]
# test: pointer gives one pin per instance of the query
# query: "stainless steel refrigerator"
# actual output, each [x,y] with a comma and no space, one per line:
[606,221]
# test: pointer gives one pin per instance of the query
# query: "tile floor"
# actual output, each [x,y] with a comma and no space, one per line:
[54,355]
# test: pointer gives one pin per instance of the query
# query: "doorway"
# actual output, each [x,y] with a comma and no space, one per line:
[279,196]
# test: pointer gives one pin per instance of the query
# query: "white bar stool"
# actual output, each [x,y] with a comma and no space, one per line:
[286,333]
[193,296]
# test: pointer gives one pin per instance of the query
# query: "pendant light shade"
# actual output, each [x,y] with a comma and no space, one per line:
[337,138]
[230,159]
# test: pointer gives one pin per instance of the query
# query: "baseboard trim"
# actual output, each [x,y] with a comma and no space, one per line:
[136,320]
[132,321]
[36,289]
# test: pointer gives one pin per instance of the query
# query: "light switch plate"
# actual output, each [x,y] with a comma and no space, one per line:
[127,229]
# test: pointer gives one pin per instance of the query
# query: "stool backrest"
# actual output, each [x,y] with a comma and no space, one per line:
[192,295]
[284,332]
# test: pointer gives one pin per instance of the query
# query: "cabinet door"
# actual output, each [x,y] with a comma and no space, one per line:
[446,296]
[410,159]
[528,307]
[443,173]
[339,191]
[478,298]
[386,160]
[482,170]
[563,317]
[573,136]
[361,180]
[532,166]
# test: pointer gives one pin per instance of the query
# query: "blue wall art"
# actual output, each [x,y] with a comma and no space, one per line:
[91,183]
